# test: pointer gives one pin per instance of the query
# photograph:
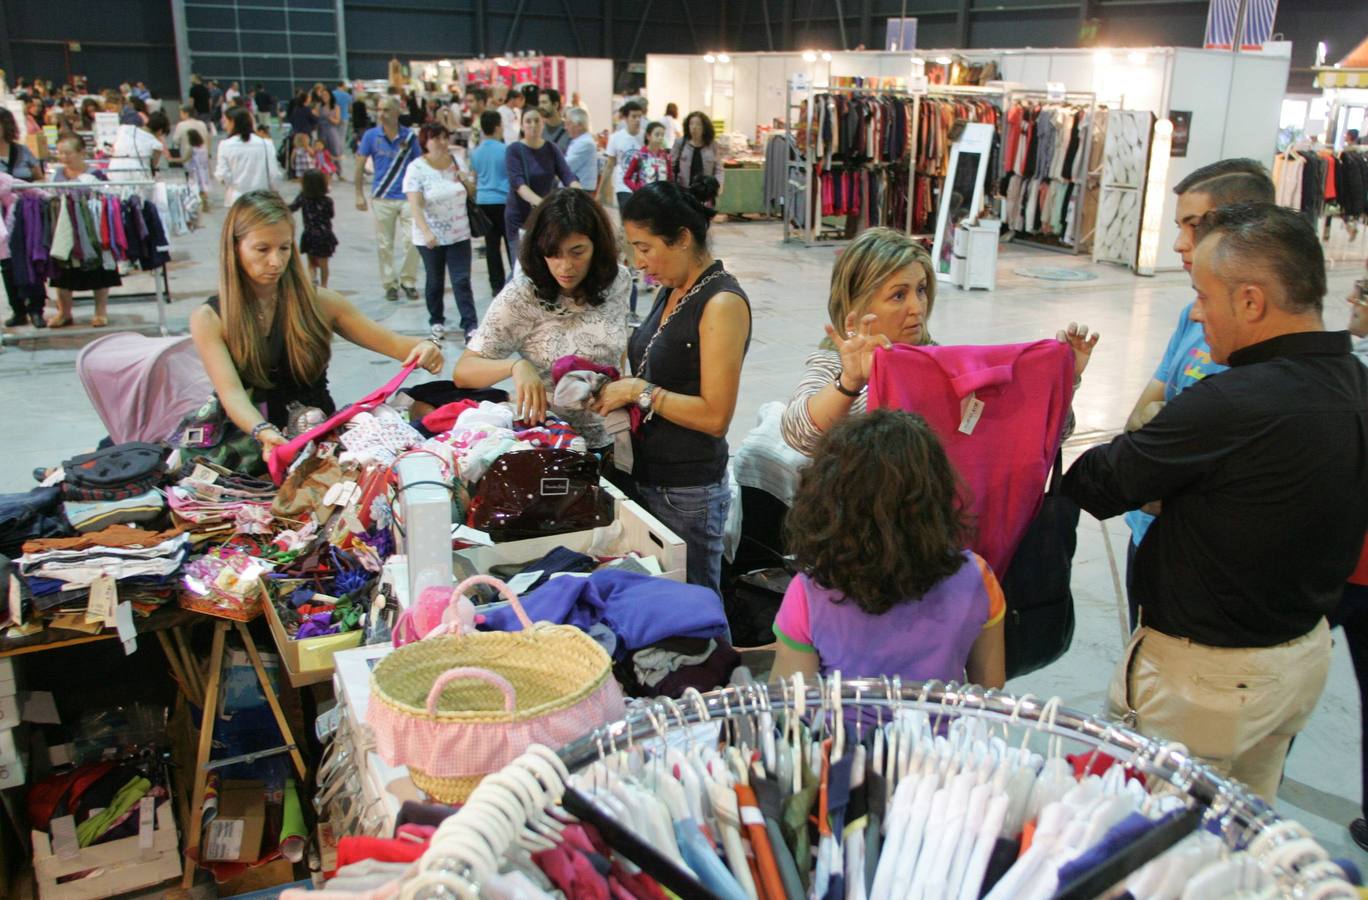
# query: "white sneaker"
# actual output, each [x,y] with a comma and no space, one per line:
[633,320]
[437,332]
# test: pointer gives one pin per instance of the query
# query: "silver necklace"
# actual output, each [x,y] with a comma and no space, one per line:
[698,285]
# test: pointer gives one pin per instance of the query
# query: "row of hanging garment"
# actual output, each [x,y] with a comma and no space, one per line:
[930,804]
[860,142]
[935,137]
[82,229]
[873,196]
[1308,179]
[781,159]
[179,205]
[1045,168]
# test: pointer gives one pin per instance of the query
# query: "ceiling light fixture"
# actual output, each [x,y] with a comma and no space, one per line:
[709,58]
[809,56]
[826,57]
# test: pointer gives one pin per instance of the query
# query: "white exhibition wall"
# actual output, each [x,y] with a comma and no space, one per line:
[1234,99]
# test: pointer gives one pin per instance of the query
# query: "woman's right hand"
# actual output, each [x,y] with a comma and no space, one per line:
[269,440]
[857,347]
[529,393]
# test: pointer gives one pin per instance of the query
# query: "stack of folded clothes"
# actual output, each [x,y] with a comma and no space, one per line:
[210,500]
[60,571]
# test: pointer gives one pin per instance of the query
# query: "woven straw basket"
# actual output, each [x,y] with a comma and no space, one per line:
[453,708]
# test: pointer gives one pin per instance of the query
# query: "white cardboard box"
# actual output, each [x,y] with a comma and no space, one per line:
[126,865]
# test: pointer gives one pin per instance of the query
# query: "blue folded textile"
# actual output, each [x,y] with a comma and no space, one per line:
[641,610]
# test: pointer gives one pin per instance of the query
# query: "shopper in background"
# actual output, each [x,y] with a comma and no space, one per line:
[342,96]
[197,166]
[361,123]
[246,161]
[510,107]
[476,102]
[651,163]
[391,148]
[230,95]
[302,157]
[534,166]
[264,102]
[488,159]
[90,106]
[582,155]
[302,115]
[266,338]
[180,138]
[885,584]
[622,146]
[671,122]
[330,125]
[1253,545]
[686,358]
[569,299]
[138,149]
[695,154]
[437,190]
[72,167]
[1187,359]
[549,103]
[317,242]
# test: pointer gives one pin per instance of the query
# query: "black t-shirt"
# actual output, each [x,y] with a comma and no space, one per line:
[665,454]
[265,103]
[200,95]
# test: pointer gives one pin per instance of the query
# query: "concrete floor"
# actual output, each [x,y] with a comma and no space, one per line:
[51,418]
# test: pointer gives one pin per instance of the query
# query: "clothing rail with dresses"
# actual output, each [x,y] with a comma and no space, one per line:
[924,795]
[1049,187]
[161,284]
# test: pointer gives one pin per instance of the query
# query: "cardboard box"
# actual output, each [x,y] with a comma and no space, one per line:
[644,535]
[309,661]
[125,865]
[235,833]
[259,879]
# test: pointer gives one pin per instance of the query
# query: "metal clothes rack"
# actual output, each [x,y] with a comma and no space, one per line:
[1242,815]
[161,286]
[969,90]
[1077,98]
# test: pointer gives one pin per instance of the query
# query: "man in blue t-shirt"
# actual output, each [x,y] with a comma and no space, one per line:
[342,94]
[487,159]
[1188,358]
[390,148]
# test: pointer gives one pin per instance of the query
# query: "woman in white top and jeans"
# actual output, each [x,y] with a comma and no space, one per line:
[246,161]
[437,190]
[138,148]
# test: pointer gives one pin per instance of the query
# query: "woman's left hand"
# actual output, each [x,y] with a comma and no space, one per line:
[1082,341]
[427,355]
[617,394]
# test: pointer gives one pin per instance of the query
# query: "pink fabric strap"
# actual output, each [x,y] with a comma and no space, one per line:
[469,673]
[504,591]
[284,454]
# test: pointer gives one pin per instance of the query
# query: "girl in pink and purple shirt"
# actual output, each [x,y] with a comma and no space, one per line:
[886,586]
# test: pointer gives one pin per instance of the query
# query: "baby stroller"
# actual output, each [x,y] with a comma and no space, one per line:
[142,387]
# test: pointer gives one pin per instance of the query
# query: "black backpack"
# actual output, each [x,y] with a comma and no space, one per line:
[115,473]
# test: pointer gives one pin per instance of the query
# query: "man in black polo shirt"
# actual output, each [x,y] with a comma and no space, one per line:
[1261,472]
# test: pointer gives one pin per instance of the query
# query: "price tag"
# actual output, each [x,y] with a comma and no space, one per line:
[523,580]
[973,411]
[128,632]
[147,825]
[104,597]
[918,84]
[16,601]
[1055,91]
[203,474]
[468,535]
[64,842]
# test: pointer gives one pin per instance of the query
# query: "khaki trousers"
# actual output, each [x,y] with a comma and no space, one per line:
[389,215]
[1234,708]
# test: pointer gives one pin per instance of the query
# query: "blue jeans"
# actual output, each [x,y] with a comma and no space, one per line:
[698,516]
[437,261]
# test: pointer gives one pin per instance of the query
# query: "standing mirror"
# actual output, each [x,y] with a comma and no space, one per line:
[962,192]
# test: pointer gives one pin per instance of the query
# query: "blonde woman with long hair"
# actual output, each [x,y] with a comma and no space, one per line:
[266,339]
[883,287]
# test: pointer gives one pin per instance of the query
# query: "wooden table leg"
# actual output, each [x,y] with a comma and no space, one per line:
[208,713]
[273,701]
[173,660]
[188,660]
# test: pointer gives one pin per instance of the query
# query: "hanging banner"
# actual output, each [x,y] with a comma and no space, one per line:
[1249,20]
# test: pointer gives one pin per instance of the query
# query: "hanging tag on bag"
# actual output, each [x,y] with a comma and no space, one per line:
[104,597]
[971,410]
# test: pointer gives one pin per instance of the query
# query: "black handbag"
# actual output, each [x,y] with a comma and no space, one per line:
[480,226]
[537,493]
[1039,624]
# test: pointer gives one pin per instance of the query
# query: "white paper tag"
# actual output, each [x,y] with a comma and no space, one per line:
[128,632]
[751,815]
[523,580]
[918,84]
[468,535]
[64,842]
[203,474]
[104,597]
[211,492]
[225,839]
[16,601]
[147,824]
[1054,91]
[341,493]
[972,412]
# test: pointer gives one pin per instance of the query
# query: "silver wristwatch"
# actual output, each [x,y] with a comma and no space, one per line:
[643,401]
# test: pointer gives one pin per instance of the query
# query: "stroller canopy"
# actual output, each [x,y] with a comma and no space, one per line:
[142,387]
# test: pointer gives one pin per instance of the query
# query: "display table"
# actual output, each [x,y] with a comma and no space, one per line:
[743,192]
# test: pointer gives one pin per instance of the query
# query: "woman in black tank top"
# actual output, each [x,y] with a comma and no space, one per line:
[687,357]
[265,340]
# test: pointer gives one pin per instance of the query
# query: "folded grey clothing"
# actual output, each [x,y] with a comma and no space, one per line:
[653,664]
[86,516]
[577,389]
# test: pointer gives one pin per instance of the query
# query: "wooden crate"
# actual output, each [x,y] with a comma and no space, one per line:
[125,866]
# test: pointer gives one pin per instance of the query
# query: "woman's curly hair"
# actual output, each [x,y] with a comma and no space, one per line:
[878,515]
